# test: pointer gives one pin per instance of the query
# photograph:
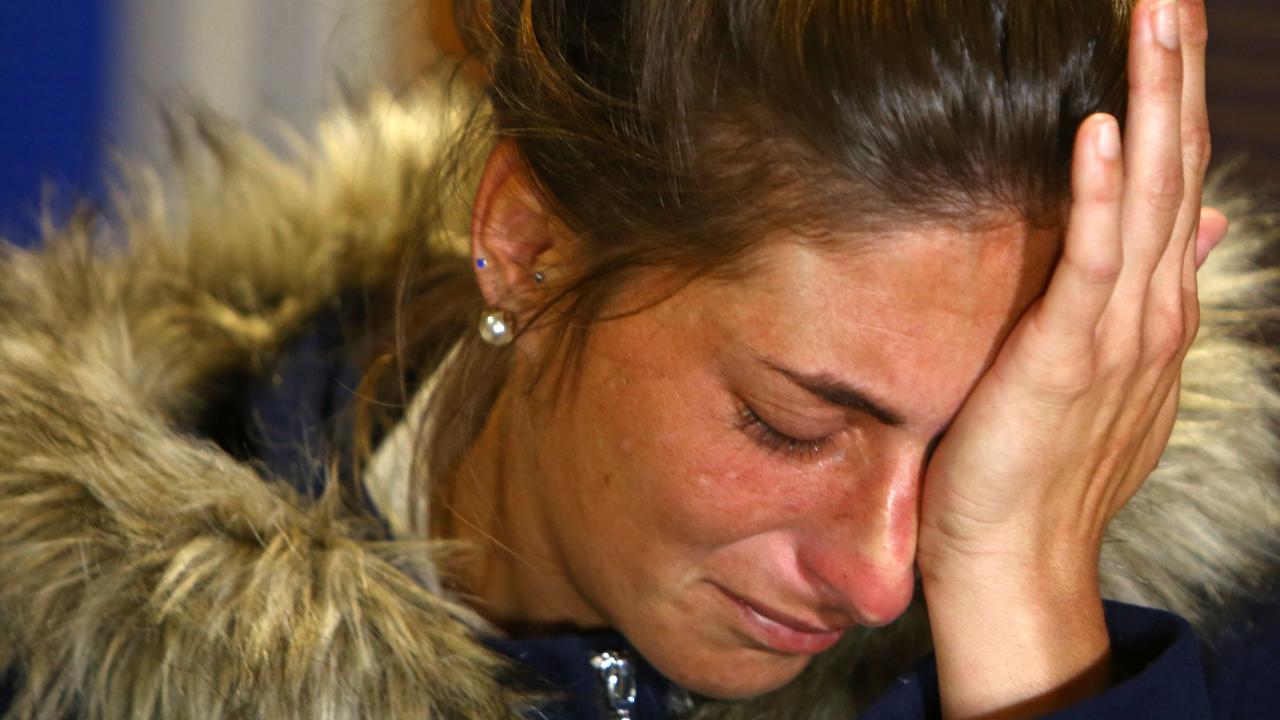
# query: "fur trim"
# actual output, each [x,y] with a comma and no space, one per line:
[144,573]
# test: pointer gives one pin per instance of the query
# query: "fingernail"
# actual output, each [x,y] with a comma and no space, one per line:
[1165,23]
[1109,140]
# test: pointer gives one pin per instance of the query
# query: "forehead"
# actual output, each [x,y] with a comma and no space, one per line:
[930,272]
[913,315]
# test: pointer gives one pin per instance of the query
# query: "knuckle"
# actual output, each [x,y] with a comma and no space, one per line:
[1164,190]
[1166,350]
[1096,269]
[1169,332]
[1198,148]
[1059,374]
[1191,333]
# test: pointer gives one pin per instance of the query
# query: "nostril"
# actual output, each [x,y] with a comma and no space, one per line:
[888,607]
[864,593]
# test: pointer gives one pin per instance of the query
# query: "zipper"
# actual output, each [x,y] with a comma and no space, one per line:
[616,673]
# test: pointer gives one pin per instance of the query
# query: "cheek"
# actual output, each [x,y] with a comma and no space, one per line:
[664,457]
[693,476]
[665,462]
[716,501]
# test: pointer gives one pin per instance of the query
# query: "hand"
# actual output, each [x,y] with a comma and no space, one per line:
[1078,406]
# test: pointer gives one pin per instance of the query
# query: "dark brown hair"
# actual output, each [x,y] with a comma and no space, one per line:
[678,133]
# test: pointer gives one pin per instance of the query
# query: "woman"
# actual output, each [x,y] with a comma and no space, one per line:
[785,310]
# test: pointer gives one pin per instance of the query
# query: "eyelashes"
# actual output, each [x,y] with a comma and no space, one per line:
[801,449]
[776,441]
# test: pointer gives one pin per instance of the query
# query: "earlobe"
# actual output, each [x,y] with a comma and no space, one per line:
[510,230]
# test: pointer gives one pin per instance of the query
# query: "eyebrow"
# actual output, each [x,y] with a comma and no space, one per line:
[838,392]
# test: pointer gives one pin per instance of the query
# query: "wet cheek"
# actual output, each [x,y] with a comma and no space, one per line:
[668,455]
[719,498]
[670,458]
[697,479]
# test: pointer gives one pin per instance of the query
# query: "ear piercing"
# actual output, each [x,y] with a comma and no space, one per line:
[538,276]
[498,327]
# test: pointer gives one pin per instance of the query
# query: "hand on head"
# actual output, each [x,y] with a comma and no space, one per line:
[1078,407]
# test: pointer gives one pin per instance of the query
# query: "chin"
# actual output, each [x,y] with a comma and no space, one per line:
[734,675]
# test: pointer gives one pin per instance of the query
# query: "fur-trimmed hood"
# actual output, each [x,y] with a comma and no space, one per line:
[145,573]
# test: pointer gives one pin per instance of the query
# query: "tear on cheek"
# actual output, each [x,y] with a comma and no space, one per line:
[739,496]
[710,487]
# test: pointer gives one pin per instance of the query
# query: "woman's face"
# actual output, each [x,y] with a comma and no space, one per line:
[755,447]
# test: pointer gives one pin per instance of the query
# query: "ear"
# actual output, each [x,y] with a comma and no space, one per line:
[511,232]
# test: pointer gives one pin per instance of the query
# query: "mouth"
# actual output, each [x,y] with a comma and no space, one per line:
[779,631]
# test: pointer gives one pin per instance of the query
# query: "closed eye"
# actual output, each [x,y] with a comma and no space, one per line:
[776,441]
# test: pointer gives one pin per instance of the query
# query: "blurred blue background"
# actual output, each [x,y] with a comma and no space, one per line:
[83,82]
[54,65]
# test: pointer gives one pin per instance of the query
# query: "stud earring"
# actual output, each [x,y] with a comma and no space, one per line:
[538,277]
[481,263]
[497,327]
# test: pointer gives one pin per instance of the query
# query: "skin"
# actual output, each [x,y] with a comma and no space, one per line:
[648,490]
[632,502]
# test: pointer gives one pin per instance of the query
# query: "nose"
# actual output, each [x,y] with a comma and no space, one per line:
[861,552]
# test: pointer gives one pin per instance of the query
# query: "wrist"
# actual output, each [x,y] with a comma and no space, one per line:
[1036,562]
[1016,642]
[1036,596]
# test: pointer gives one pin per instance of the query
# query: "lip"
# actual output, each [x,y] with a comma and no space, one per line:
[778,631]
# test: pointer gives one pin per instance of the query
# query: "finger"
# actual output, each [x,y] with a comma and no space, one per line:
[1196,145]
[1210,231]
[1091,255]
[1153,147]
[1196,148]
[1214,227]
